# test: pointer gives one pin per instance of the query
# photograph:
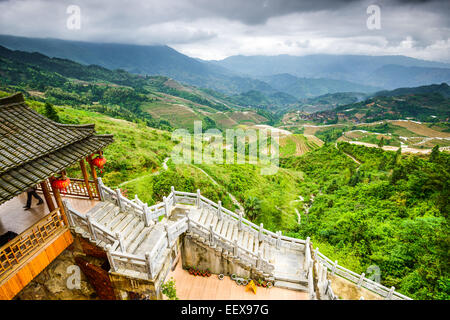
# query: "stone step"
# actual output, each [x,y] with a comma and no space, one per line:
[130,227]
[230,231]
[111,220]
[139,239]
[99,207]
[293,278]
[290,286]
[112,212]
[150,240]
[134,233]
[120,226]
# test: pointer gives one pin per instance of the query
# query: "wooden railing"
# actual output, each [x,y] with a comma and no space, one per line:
[77,188]
[18,250]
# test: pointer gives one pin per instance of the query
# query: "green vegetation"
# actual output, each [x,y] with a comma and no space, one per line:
[169,289]
[392,212]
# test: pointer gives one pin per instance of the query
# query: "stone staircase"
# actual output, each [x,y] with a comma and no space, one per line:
[140,237]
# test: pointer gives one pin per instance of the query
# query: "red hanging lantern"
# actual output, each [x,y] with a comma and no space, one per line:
[61,183]
[99,162]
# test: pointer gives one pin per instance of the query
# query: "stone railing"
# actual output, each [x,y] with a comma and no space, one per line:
[149,265]
[359,279]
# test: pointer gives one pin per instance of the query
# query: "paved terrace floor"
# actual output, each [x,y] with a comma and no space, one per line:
[202,288]
[14,218]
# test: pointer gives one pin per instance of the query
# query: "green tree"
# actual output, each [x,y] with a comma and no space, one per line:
[434,156]
[51,113]
[381,142]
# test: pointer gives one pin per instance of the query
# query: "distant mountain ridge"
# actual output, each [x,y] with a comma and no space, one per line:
[389,72]
[308,87]
[272,76]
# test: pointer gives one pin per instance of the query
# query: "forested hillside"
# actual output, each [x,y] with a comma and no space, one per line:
[360,206]
[390,211]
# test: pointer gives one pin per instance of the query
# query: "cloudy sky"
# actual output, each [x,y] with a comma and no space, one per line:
[211,29]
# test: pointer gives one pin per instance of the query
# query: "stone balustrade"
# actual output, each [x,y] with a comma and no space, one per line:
[148,265]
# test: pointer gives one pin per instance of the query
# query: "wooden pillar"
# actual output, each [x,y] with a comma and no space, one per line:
[47,196]
[59,202]
[86,178]
[93,173]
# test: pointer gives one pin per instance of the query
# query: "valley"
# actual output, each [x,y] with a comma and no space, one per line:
[341,178]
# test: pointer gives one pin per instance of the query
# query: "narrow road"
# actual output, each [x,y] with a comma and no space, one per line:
[164,166]
[233,198]
[356,161]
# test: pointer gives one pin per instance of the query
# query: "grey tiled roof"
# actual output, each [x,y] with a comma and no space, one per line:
[33,147]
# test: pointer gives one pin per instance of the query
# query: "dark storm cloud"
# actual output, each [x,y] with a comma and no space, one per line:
[219,28]
[258,11]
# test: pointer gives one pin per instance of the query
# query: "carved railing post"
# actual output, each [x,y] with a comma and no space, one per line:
[219,209]
[119,199]
[211,236]
[168,235]
[119,237]
[91,228]
[278,243]
[100,189]
[198,199]
[166,206]
[333,270]
[110,258]
[390,293]
[188,221]
[260,233]
[148,262]
[235,249]
[240,221]
[259,261]
[68,211]
[146,212]
[361,279]
[172,189]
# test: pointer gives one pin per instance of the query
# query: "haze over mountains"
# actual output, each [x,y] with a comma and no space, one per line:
[283,76]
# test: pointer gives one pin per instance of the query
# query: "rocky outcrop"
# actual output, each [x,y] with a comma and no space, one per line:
[51,283]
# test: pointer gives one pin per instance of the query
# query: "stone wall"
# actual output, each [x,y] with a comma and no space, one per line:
[347,290]
[198,254]
[127,287]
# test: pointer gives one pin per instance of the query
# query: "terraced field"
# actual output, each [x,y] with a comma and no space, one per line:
[298,144]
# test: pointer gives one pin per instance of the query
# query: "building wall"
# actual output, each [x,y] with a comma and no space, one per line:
[34,265]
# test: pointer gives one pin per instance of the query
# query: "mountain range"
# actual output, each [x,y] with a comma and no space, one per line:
[298,76]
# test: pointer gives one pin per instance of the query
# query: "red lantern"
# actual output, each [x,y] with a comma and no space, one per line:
[61,184]
[99,162]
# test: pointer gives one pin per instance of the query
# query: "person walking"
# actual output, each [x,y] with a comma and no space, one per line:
[31,192]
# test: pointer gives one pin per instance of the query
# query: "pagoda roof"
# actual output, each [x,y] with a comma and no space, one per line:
[33,147]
